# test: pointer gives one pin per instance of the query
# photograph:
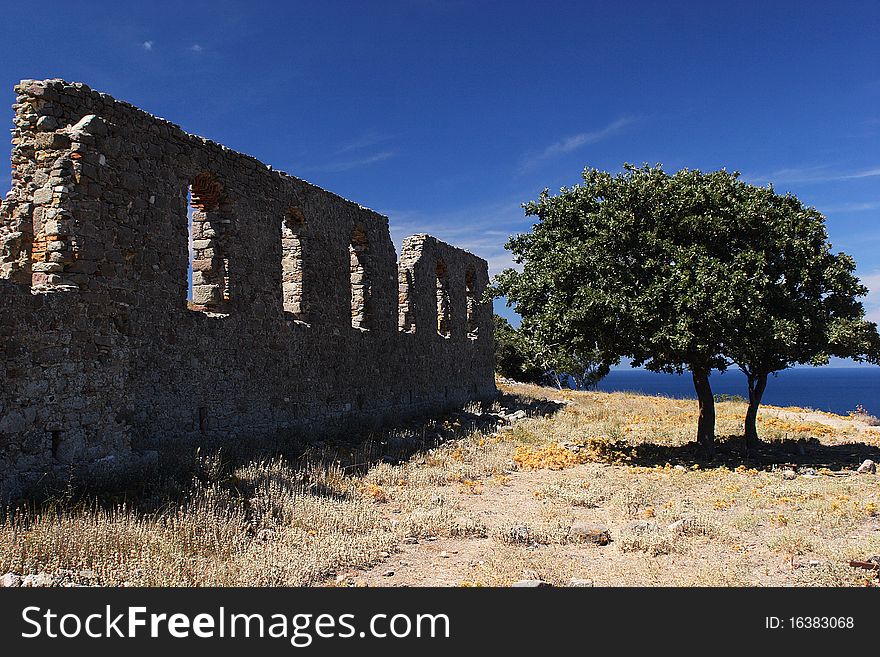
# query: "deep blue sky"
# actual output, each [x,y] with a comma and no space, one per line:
[447,115]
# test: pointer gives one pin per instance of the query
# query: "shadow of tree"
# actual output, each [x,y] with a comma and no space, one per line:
[733,451]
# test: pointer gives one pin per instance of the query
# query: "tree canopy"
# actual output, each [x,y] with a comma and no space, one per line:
[688,271]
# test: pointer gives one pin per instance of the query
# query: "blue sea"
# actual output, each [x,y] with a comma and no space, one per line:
[834,389]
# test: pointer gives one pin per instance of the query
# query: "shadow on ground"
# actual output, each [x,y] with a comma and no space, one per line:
[733,451]
[214,462]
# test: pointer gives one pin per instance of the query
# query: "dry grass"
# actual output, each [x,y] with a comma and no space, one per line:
[498,502]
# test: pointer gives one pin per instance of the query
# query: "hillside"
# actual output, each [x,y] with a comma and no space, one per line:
[596,487]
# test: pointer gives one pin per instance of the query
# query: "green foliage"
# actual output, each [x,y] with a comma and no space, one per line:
[723,397]
[511,355]
[685,271]
[519,358]
[796,302]
[573,370]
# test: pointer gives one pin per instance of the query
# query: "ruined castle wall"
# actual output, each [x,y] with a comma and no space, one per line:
[301,317]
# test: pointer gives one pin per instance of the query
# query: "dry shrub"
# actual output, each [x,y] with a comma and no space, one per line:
[376,493]
[551,457]
[791,542]
[552,533]
[440,521]
[862,415]
[645,538]
[787,427]
[573,493]
[698,526]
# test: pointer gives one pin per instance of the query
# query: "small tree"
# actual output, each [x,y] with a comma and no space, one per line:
[512,358]
[519,357]
[571,369]
[666,270]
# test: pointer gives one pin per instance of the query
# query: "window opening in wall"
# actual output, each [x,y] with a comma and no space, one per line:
[189,245]
[292,263]
[406,321]
[473,327]
[210,285]
[443,324]
[361,287]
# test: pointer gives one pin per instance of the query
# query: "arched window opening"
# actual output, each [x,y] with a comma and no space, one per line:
[443,323]
[292,263]
[473,303]
[209,282]
[361,287]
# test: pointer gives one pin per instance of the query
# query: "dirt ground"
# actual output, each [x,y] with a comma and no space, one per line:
[760,528]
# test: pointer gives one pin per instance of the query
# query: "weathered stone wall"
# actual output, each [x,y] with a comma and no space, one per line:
[301,317]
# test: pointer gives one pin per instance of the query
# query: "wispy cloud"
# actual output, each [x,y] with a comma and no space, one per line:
[811,174]
[574,142]
[363,141]
[868,173]
[851,207]
[356,153]
[195,48]
[353,163]
[147,45]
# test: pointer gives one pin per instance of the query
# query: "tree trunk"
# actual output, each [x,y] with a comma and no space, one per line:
[706,422]
[757,385]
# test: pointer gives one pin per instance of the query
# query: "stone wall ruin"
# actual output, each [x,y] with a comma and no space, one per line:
[301,318]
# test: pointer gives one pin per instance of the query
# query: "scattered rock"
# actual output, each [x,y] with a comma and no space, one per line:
[39,580]
[411,540]
[867,467]
[682,525]
[589,532]
[680,468]
[788,475]
[580,583]
[388,573]
[266,535]
[517,415]
[530,584]
[642,527]
[10,580]
[444,554]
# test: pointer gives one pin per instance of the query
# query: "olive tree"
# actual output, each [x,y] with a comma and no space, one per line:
[666,269]
[798,302]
